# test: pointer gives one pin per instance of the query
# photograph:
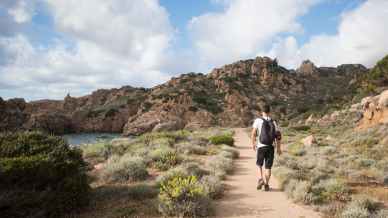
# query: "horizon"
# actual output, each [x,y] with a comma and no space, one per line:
[51,48]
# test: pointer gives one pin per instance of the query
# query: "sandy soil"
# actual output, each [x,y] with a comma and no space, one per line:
[243,200]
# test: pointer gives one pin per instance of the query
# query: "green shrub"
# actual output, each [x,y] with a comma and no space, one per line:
[171,173]
[40,176]
[300,128]
[165,159]
[123,169]
[226,139]
[212,186]
[192,149]
[103,150]
[335,189]
[183,196]
[192,168]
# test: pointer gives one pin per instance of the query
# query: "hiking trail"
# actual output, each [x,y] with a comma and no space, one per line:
[242,200]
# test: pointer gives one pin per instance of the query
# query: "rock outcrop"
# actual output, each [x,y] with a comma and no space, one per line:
[375,110]
[229,96]
[11,114]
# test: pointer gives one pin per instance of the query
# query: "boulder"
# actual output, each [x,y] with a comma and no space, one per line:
[383,100]
[310,120]
[334,115]
[329,138]
[55,123]
[169,126]
[309,141]
[307,68]
[140,127]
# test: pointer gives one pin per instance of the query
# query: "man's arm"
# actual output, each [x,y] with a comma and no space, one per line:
[278,139]
[278,146]
[253,138]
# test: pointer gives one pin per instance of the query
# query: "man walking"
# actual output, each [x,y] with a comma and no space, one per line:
[265,135]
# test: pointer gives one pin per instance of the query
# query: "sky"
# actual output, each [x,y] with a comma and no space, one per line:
[49,48]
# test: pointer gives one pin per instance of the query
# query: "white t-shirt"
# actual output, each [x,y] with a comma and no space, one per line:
[257,125]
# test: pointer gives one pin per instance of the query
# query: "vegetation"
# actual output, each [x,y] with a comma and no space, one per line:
[183,196]
[175,173]
[40,176]
[226,139]
[123,169]
[332,175]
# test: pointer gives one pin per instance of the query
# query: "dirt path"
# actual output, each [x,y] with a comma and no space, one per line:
[243,200]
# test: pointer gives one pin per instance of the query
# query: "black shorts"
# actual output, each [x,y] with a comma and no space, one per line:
[265,155]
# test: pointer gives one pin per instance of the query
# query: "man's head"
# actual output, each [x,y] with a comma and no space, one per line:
[265,109]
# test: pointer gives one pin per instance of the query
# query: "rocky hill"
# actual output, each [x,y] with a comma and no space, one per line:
[228,96]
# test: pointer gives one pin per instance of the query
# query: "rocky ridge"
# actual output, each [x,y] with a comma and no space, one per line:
[227,96]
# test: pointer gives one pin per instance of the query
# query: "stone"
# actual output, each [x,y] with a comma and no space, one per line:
[329,138]
[307,68]
[383,99]
[385,181]
[168,126]
[366,99]
[309,141]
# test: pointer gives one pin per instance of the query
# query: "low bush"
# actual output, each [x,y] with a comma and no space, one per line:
[192,149]
[284,175]
[335,189]
[360,207]
[125,168]
[165,159]
[192,168]
[183,196]
[220,165]
[186,169]
[226,139]
[381,214]
[171,173]
[301,192]
[103,150]
[40,176]
[212,186]
[233,151]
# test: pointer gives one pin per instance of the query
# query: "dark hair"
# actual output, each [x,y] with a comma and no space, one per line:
[265,108]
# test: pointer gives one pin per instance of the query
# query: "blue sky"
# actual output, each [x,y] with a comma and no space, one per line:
[49,48]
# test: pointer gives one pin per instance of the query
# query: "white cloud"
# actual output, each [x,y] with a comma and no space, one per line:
[244,28]
[286,51]
[113,43]
[22,11]
[362,38]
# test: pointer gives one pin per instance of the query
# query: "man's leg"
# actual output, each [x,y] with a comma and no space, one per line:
[259,163]
[267,176]
[260,172]
[269,157]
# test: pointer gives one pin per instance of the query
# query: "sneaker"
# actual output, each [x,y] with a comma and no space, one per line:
[260,184]
[266,187]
